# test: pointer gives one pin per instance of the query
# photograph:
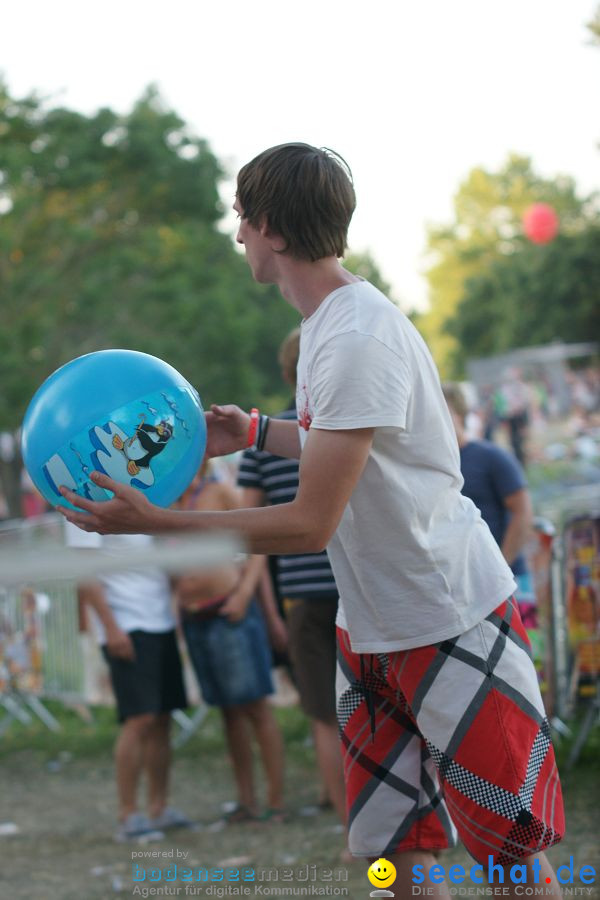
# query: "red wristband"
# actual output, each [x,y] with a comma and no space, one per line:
[254,418]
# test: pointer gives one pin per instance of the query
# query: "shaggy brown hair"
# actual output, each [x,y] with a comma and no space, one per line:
[304,194]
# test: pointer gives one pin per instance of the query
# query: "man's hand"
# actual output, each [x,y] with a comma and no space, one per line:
[227,428]
[129,512]
[235,606]
[119,644]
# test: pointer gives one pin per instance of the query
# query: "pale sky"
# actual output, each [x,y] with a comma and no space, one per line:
[413,95]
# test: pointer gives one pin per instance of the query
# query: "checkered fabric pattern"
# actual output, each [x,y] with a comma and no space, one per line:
[449,738]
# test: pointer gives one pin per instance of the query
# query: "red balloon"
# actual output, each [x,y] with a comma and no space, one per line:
[540,223]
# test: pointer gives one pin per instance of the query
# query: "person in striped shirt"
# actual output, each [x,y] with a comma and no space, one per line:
[309,595]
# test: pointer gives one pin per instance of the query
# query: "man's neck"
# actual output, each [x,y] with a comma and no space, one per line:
[306,284]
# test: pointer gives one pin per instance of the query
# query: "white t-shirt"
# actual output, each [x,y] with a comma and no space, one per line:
[139,600]
[413,560]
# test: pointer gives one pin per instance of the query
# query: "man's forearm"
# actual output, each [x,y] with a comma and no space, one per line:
[515,537]
[285,528]
[332,462]
[283,438]
[92,593]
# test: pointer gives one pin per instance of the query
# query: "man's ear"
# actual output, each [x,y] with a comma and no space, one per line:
[277,242]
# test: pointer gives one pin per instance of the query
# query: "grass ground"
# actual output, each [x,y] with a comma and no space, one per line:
[59,790]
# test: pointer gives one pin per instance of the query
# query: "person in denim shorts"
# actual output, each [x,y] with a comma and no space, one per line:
[228,644]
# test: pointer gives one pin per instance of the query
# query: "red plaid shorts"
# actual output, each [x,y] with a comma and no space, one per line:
[449,738]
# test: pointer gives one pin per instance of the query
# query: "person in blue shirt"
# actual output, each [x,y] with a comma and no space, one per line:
[496,483]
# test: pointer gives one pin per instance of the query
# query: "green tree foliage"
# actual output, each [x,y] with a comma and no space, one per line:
[488,210]
[534,296]
[109,238]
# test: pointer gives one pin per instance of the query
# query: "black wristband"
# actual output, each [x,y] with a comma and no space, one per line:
[261,437]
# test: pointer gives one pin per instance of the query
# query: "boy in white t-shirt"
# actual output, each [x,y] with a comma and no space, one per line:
[135,623]
[443,726]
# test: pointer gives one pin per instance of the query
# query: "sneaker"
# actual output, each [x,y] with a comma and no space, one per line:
[240,815]
[137,827]
[170,818]
[276,815]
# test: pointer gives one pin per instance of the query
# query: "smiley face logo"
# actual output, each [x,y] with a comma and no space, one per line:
[381,873]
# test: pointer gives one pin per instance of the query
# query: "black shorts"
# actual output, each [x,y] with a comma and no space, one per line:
[153,682]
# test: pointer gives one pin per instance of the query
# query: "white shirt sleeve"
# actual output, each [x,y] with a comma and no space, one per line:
[356,381]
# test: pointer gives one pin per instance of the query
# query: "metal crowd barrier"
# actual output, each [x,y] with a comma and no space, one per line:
[45,654]
[575,578]
[46,649]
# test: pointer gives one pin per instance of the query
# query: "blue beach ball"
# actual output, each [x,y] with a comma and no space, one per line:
[121,412]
